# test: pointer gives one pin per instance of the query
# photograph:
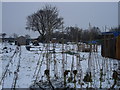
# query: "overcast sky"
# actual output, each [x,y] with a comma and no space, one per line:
[0,17]
[79,13]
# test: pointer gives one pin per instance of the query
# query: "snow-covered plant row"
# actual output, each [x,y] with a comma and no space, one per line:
[56,66]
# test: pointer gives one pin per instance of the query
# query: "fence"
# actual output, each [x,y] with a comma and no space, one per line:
[111,47]
[118,47]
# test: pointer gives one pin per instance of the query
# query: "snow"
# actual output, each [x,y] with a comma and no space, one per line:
[31,61]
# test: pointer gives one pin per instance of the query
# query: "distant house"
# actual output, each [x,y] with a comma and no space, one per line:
[111,45]
[8,39]
[21,41]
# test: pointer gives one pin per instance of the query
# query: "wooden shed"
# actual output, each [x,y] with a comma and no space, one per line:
[118,47]
[111,45]
[21,40]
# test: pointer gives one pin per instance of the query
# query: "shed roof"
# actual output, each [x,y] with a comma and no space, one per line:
[115,33]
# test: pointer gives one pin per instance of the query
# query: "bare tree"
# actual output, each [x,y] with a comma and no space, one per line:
[27,36]
[45,21]
[15,35]
[3,35]
[74,33]
[115,29]
[95,32]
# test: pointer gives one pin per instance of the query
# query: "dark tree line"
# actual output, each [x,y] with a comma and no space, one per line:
[115,29]
[76,34]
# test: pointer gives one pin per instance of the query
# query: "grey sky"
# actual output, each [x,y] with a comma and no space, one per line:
[0,17]
[79,13]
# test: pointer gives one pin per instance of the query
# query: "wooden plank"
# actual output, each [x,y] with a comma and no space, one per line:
[118,48]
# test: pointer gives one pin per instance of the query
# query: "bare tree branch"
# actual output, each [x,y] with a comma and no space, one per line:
[44,20]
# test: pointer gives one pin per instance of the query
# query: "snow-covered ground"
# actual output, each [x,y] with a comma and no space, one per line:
[20,68]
